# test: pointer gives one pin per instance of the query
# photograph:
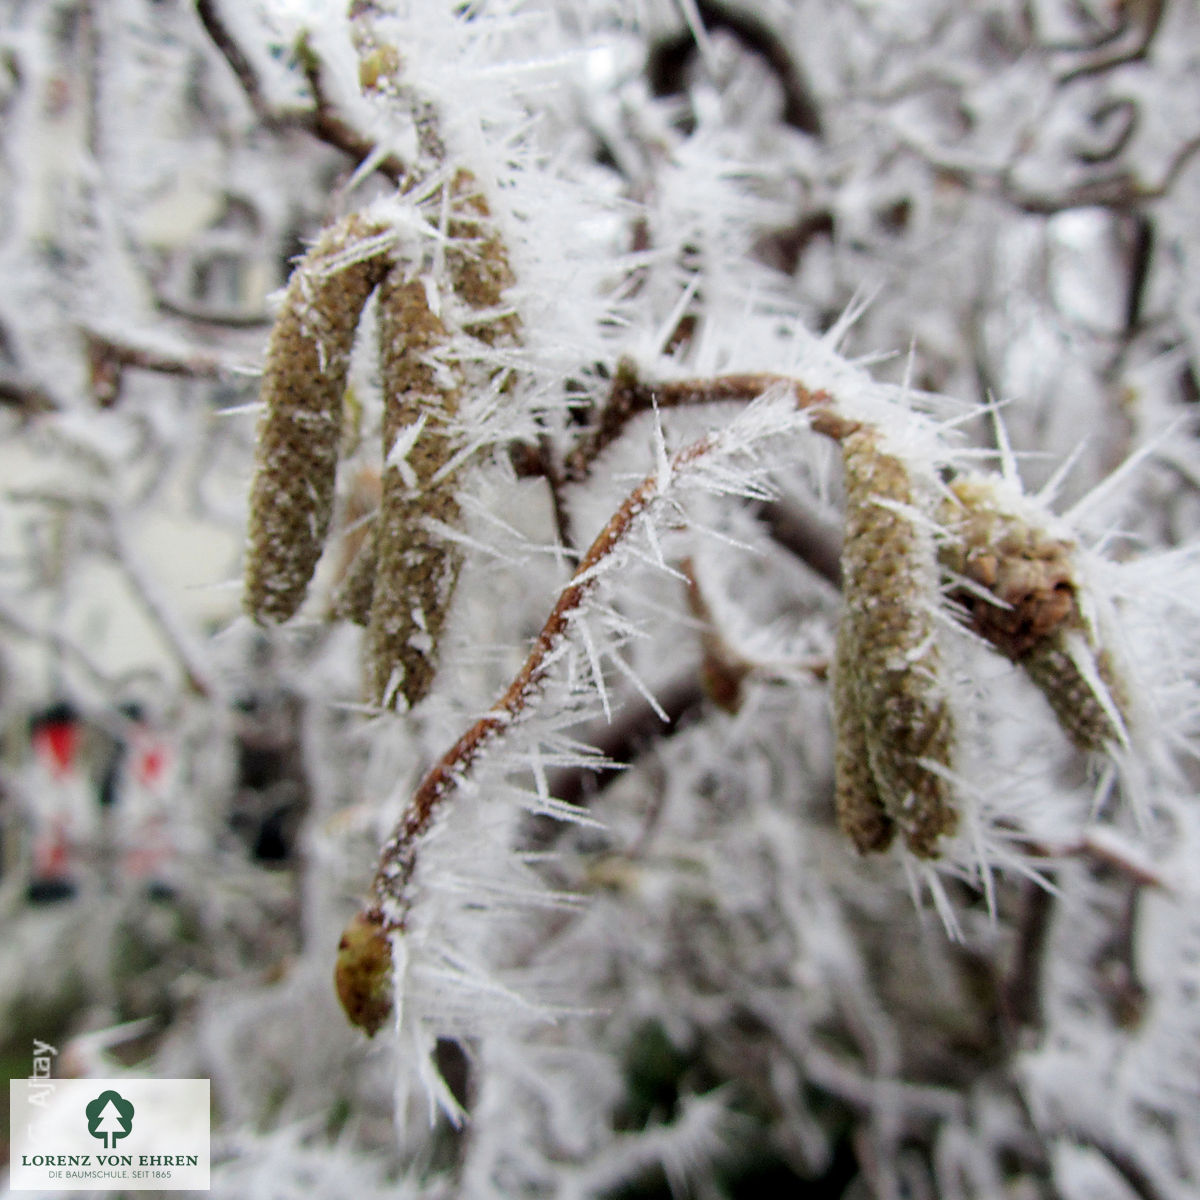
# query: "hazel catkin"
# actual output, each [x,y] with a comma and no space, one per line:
[416,566]
[889,664]
[1025,601]
[308,356]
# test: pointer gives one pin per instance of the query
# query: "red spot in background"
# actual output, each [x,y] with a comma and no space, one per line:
[56,744]
[151,765]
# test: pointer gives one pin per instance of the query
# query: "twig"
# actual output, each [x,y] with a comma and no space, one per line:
[1105,852]
[324,122]
[60,644]
[1144,13]
[321,120]
[723,670]
[227,318]
[629,396]
[920,1103]
[28,397]
[186,653]
[1116,965]
[1121,1161]
[1021,990]
[108,359]
[398,858]
[113,542]
[239,64]
[668,60]
[1121,190]
[814,543]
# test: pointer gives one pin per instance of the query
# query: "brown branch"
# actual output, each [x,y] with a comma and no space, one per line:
[228,319]
[1116,966]
[1123,190]
[1122,1162]
[1020,993]
[210,17]
[1120,190]
[27,397]
[1103,854]
[1128,114]
[813,542]
[668,60]
[1144,13]
[322,120]
[629,397]
[538,461]
[108,359]
[398,857]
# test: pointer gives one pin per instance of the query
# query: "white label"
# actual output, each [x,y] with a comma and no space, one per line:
[98,1134]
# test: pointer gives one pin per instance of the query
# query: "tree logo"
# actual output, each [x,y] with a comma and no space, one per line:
[109,1117]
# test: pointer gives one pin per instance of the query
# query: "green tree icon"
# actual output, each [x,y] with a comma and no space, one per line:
[109,1117]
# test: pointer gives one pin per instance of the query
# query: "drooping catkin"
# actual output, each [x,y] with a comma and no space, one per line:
[861,814]
[889,664]
[355,590]
[416,566]
[1059,666]
[478,262]
[1025,602]
[422,369]
[308,355]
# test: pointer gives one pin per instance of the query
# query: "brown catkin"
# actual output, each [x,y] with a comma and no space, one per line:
[888,655]
[1081,715]
[417,567]
[477,259]
[1035,618]
[308,355]
[355,591]
[860,811]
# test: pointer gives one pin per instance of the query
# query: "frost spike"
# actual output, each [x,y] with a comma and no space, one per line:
[307,359]
[888,659]
[417,569]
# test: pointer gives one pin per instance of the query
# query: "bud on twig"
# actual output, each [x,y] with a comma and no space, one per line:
[307,360]
[363,974]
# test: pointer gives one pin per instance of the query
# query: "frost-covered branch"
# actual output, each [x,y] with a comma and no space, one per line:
[398,858]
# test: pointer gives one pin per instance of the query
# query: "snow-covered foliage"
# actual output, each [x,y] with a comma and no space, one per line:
[758,444]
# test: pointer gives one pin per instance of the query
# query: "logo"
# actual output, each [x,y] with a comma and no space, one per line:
[108,1135]
[109,1118]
